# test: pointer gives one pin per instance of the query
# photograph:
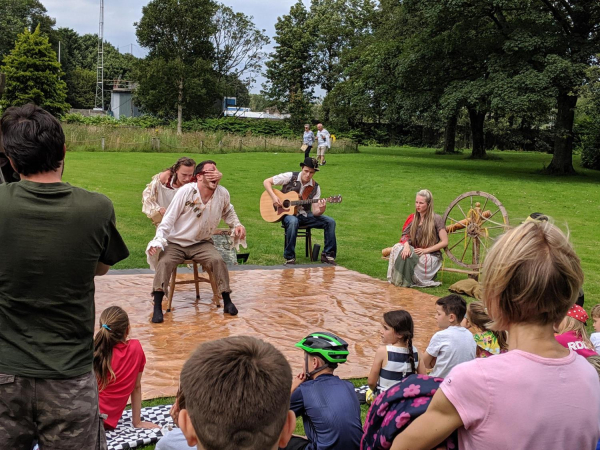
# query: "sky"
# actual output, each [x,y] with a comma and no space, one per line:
[119,17]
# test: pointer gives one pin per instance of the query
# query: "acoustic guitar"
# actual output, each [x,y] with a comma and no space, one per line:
[290,202]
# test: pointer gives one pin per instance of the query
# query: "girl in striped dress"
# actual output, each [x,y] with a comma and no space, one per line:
[398,357]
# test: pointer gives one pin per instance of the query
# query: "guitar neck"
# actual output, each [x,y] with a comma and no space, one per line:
[310,201]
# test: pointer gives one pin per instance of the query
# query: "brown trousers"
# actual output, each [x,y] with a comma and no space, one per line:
[204,253]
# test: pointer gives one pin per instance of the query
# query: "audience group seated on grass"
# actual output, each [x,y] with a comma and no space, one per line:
[516,370]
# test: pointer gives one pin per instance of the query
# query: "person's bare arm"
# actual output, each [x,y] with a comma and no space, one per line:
[428,361]
[376,368]
[319,208]
[421,368]
[136,406]
[101,269]
[429,430]
[268,184]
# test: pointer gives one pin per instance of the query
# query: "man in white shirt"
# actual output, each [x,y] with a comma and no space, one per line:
[307,189]
[323,143]
[163,187]
[185,233]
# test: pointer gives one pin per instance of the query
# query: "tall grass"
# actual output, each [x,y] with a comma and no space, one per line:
[90,138]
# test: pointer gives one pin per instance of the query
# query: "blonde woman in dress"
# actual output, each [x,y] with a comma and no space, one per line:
[416,259]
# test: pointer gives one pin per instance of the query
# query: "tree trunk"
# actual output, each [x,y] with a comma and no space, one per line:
[450,134]
[562,160]
[180,107]
[477,120]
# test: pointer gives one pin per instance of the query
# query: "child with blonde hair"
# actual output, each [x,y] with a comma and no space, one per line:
[489,342]
[118,364]
[398,357]
[535,395]
[572,334]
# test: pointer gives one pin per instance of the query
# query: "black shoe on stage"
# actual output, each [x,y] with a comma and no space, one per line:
[230,309]
[157,316]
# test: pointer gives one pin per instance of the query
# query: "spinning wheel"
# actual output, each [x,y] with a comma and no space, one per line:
[474,220]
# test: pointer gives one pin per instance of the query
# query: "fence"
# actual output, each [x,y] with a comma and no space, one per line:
[111,139]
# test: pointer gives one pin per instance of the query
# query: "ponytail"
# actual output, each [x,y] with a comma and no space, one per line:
[411,355]
[114,324]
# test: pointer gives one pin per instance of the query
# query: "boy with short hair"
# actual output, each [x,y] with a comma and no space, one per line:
[237,393]
[328,405]
[595,337]
[454,344]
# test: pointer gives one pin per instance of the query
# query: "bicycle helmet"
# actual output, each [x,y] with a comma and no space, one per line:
[331,348]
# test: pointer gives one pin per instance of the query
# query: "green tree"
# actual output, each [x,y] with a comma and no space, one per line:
[81,88]
[237,45]
[15,15]
[289,70]
[181,55]
[337,26]
[33,75]
[258,102]
[576,34]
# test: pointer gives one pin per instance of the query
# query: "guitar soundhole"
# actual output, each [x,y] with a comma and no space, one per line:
[286,203]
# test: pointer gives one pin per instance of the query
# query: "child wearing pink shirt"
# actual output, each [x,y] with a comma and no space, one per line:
[572,333]
[538,395]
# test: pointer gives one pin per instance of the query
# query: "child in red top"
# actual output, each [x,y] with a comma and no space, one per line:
[572,333]
[118,364]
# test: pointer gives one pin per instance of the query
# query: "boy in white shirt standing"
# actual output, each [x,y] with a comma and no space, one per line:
[454,344]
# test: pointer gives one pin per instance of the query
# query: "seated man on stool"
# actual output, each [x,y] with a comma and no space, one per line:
[308,189]
[185,233]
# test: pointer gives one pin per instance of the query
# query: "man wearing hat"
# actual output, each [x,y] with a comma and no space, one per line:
[308,189]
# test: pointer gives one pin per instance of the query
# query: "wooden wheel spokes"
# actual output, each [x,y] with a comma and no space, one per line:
[473,221]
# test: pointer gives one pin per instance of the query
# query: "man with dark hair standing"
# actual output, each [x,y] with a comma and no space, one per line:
[59,238]
[185,233]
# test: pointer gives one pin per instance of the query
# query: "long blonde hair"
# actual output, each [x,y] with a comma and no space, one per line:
[571,324]
[428,236]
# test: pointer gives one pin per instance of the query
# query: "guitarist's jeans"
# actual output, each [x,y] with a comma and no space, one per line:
[325,223]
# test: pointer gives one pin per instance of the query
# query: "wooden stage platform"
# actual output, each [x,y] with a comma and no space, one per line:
[280,306]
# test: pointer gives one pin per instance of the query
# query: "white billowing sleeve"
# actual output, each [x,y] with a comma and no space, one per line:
[150,204]
[174,210]
[282,178]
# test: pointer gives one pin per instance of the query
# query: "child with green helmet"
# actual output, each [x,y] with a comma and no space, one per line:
[328,405]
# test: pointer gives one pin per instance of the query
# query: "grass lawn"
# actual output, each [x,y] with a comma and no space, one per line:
[378,186]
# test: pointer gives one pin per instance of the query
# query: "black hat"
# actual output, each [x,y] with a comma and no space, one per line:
[311,163]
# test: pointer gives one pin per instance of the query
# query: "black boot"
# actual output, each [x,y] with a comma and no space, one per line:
[228,306]
[157,317]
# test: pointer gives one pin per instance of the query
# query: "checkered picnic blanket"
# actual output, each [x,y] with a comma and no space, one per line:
[125,436]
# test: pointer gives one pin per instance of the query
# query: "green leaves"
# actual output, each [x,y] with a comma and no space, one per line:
[33,75]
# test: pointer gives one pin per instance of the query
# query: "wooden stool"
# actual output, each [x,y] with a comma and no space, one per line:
[197,280]
[303,232]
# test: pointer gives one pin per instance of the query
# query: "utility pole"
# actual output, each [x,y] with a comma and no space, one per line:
[99,101]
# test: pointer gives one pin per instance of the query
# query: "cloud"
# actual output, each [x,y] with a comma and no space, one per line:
[120,16]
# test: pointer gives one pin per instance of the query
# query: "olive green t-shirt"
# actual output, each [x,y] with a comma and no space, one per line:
[52,235]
